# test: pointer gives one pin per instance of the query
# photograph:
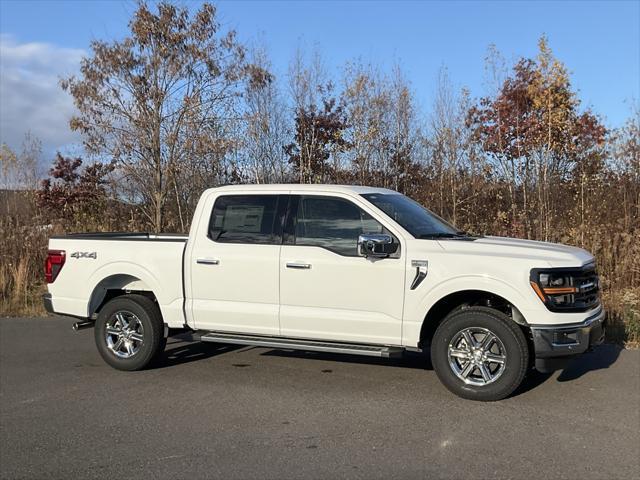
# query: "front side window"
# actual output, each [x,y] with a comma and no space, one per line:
[244,219]
[417,220]
[332,223]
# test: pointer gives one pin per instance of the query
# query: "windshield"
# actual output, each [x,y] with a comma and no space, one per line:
[413,217]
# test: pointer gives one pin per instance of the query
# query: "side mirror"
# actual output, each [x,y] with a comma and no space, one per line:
[376,245]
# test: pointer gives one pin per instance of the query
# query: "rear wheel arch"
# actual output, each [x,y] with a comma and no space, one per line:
[117,285]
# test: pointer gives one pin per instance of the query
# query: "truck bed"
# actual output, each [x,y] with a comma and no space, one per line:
[98,262]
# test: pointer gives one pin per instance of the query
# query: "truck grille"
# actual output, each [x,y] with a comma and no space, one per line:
[588,285]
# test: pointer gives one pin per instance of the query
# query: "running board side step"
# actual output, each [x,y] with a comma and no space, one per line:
[309,345]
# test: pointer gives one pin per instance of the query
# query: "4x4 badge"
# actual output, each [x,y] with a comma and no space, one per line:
[93,255]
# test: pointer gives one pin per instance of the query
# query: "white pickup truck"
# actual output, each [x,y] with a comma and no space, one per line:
[357,270]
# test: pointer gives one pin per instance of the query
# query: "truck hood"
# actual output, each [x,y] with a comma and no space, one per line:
[553,254]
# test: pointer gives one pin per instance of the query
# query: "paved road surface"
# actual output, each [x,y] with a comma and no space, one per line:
[224,412]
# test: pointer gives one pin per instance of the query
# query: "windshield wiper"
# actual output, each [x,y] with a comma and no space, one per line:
[459,234]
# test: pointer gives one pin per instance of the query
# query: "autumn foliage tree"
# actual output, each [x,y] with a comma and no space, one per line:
[537,136]
[74,192]
[319,122]
[318,135]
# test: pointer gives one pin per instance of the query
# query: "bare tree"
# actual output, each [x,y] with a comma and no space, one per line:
[21,170]
[267,127]
[398,163]
[367,99]
[453,154]
[157,102]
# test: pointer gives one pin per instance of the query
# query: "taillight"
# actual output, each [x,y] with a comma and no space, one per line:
[53,265]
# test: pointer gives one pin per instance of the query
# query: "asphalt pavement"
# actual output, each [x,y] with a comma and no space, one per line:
[226,412]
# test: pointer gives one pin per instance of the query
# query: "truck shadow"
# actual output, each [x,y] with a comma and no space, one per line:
[407,360]
[179,351]
[600,358]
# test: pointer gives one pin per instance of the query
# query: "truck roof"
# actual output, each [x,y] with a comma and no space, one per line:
[297,187]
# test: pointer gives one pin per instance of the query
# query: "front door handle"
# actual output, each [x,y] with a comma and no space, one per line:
[208,261]
[299,265]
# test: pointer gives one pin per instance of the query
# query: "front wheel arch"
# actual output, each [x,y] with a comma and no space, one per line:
[465,299]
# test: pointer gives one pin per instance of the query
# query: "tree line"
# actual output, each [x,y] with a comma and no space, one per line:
[180,105]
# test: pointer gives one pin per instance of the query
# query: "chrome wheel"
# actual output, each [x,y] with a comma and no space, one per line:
[124,334]
[477,356]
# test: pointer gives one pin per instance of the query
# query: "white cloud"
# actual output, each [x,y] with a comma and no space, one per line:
[30,96]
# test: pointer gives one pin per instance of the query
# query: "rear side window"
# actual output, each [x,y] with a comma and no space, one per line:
[332,223]
[245,219]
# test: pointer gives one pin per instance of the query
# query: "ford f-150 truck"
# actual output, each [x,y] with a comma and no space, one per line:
[356,270]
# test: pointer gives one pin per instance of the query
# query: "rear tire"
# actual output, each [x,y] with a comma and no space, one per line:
[479,353]
[129,332]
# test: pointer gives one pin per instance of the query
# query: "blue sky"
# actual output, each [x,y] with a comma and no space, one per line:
[598,41]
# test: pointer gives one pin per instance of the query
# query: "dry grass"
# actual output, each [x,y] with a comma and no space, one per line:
[21,284]
[21,287]
[623,321]
[20,297]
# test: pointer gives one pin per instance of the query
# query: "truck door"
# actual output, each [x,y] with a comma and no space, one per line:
[329,292]
[234,265]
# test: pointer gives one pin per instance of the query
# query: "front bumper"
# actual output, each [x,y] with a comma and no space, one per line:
[555,345]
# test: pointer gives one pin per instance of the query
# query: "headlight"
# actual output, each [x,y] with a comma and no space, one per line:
[566,289]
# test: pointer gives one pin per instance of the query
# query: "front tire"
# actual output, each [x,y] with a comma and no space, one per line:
[480,354]
[129,332]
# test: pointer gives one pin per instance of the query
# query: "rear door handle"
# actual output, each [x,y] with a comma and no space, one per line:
[299,265]
[208,261]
